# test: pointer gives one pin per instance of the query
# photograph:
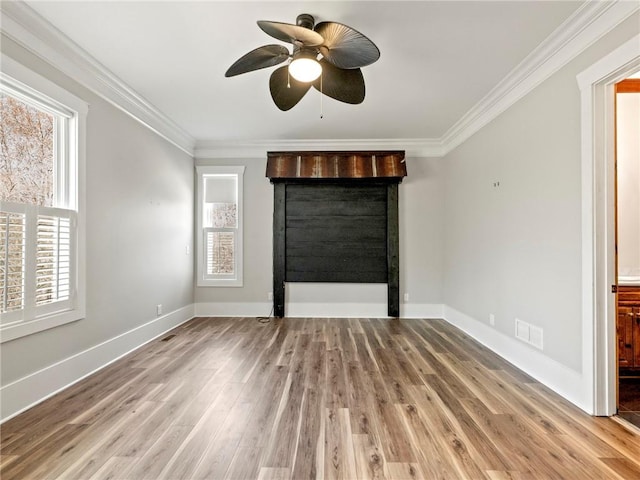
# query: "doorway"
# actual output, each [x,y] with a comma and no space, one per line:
[627,247]
[599,352]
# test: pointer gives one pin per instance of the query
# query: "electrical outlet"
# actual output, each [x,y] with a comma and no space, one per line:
[159,309]
[406,297]
[187,249]
[492,319]
[270,296]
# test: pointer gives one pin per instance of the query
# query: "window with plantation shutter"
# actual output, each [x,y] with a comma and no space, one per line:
[219,218]
[37,261]
[41,156]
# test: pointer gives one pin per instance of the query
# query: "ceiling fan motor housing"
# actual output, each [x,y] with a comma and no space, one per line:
[305,20]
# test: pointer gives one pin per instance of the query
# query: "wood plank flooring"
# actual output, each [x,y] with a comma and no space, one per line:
[313,399]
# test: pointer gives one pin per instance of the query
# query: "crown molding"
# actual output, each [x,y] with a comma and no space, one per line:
[413,147]
[23,25]
[587,24]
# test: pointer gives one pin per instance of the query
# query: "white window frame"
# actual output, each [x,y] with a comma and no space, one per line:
[204,280]
[69,202]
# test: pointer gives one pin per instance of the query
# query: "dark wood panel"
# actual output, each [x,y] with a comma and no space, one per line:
[279,245]
[357,208]
[336,233]
[345,264]
[338,223]
[344,270]
[393,255]
[625,336]
[350,276]
[333,192]
[352,249]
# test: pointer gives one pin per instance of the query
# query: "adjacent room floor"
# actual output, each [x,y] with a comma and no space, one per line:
[295,399]
[629,399]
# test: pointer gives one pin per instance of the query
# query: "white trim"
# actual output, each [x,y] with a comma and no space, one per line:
[413,147]
[564,381]
[421,310]
[317,310]
[232,309]
[36,85]
[26,27]
[298,309]
[32,389]
[589,23]
[598,229]
[629,280]
[202,280]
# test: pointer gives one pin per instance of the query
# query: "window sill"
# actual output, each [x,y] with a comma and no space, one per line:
[219,283]
[13,331]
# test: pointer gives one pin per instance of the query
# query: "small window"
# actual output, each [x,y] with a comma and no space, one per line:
[219,218]
[40,157]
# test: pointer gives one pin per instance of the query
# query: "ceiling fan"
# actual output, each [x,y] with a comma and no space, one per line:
[327,56]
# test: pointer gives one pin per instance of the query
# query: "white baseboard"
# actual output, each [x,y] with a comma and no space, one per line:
[32,389]
[564,381]
[421,310]
[318,310]
[231,309]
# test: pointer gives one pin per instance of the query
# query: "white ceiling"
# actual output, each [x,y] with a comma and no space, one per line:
[438,60]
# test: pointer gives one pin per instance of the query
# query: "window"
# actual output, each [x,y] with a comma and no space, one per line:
[219,224]
[41,247]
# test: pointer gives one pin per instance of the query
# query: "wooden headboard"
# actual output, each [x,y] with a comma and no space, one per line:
[335,220]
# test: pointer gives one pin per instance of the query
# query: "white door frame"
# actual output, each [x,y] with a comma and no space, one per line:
[598,225]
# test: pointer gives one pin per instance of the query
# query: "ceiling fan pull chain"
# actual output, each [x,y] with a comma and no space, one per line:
[321,112]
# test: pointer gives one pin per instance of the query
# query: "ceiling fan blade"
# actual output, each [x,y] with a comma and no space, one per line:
[345,47]
[261,57]
[286,91]
[290,33]
[345,85]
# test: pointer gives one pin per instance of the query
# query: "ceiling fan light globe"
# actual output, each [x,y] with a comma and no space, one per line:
[305,69]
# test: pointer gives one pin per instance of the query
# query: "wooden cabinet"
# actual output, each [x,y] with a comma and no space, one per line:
[628,327]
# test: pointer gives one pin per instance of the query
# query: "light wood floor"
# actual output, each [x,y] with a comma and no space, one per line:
[316,398]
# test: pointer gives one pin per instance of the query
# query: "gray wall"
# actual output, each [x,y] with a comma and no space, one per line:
[421,220]
[515,250]
[139,216]
[258,211]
